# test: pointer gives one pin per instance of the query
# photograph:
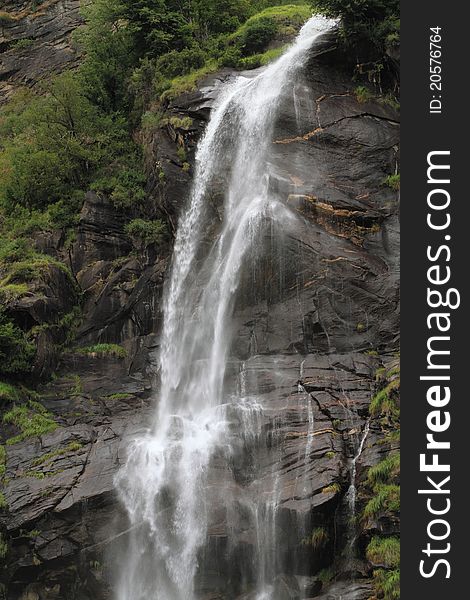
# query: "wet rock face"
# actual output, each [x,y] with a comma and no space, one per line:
[35,41]
[326,297]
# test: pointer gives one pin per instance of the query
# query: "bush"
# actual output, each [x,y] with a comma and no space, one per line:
[8,393]
[257,35]
[375,22]
[16,352]
[147,232]
[385,471]
[387,584]
[384,551]
[386,499]
[180,62]
[385,402]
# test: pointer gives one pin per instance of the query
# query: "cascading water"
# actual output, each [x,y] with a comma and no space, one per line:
[163,483]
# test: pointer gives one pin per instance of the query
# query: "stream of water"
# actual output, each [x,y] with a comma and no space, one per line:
[163,485]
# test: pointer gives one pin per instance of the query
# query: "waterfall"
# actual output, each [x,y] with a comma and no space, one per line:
[163,485]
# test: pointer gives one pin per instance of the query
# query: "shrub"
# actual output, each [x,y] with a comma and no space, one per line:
[387,583]
[180,62]
[384,551]
[3,543]
[16,352]
[386,499]
[374,21]
[257,35]
[147,232]
[363,94]
[23,44]
[8,393]
[385,471]
[385,402]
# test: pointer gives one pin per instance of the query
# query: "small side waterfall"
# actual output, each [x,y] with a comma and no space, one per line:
[163,485]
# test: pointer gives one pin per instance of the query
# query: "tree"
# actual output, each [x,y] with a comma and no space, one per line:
[375,22]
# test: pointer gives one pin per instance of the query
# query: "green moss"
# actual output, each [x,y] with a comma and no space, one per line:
[384,551]
[32,419]
[101,350]
[386,499]
[393,182]
[3,502]
[330,455]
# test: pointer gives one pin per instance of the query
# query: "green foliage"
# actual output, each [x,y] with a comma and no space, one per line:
[259,30]
[385,402]
[32,419]
[50,456]
[386,499]
[119,396]
[16,351]
[147,232]
[375,22]
[3,543]
[3,459]
[385,471]
[363,94]
[8,393]
[384,551]
[23,44]
[53,144]
[104,350]
[123,181]
[387,583]
[325,575]
[318,539]
[393,182]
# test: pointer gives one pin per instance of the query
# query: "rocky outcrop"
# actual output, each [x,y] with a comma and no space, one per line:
[309,340]
[35,41]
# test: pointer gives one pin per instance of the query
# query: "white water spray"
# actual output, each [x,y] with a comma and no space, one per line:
[162,484]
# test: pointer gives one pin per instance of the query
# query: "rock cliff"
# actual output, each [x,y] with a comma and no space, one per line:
[312,340]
